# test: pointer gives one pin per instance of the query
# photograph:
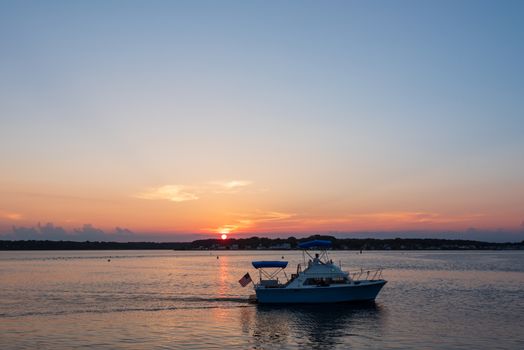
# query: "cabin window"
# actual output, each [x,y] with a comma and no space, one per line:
[316,281]
[324,281]
[338,280]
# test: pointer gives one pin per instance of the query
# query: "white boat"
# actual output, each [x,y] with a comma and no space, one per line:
[321,281]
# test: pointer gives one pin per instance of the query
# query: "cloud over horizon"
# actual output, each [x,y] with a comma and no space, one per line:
[51,232]
[89,232]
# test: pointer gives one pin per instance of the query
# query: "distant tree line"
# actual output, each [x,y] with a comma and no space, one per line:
[262,243]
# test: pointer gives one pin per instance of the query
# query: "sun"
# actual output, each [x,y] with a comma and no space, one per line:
[224,236]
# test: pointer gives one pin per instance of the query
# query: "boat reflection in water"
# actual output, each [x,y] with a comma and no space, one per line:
[312,325]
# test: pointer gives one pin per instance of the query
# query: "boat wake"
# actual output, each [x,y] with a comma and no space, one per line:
[104,303]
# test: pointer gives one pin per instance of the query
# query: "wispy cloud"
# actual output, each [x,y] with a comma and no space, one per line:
[416,217]
[226,229]
[261,221]
[263,216]
[173,193]
[250,221]
[275,221]
[229,186]
[183,193]
[382,220]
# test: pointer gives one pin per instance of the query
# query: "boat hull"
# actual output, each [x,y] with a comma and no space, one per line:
[365,291]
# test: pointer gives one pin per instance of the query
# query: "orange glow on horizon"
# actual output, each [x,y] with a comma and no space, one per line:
[208,215]
[224,236]
[226,229]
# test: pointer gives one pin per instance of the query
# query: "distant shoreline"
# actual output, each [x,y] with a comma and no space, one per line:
[257,244]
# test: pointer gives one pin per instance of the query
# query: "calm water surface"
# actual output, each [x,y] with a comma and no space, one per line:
[192,300]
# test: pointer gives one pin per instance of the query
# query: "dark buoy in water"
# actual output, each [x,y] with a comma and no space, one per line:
[108,260]
[218,257]
[282,256]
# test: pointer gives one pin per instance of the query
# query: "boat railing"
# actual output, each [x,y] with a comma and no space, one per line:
[367,275]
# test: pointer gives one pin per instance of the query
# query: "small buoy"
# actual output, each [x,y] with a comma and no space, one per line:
[218,257]
[282,256]
[108,259]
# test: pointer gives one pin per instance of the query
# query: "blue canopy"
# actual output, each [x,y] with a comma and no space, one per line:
[267,264]
[316,243]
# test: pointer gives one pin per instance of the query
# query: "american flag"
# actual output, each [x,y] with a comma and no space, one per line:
[244,281]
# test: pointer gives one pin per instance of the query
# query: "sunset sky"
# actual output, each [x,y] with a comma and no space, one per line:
[177,119]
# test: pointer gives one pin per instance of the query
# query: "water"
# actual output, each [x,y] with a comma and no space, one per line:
[192,300]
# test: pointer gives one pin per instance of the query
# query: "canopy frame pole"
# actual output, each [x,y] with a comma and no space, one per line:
[270,275]
[323,256]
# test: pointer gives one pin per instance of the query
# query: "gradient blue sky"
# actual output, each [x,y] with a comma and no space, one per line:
[175,117]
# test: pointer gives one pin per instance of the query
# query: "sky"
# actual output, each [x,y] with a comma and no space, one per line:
[170,120]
